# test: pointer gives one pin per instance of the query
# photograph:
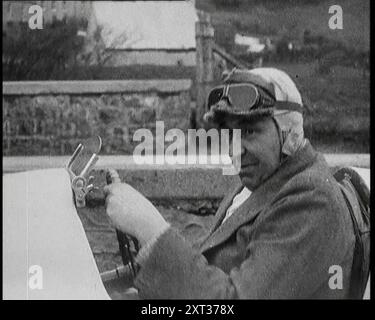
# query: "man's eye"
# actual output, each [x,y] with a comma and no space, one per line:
[248,132]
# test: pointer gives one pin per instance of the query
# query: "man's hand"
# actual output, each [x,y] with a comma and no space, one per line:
[131,213]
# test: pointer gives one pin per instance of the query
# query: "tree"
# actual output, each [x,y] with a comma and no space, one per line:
[45,54]
[61,50]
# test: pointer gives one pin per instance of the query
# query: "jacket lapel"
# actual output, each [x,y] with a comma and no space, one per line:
[243,214]
[257,201]
[221,211]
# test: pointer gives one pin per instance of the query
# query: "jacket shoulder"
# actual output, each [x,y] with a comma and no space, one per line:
[317,176]
[316,190]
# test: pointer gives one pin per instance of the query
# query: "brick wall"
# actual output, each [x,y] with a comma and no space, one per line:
[50,117]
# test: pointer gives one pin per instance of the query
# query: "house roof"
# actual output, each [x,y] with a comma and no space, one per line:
[253,44]
[146,24]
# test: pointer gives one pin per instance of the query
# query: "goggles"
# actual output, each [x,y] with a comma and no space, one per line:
[240,96]
[246,97]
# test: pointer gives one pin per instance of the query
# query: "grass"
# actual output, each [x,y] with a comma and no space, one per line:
[339,117]
[293,17]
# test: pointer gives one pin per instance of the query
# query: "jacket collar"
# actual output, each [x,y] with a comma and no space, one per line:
[259,198]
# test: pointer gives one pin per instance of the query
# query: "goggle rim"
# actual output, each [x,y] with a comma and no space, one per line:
[225,94]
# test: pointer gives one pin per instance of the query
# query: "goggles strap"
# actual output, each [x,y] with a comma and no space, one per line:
[226,94]
[281,138]
[226,90]
[286,105]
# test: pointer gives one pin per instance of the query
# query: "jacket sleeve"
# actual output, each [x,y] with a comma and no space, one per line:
[288,255]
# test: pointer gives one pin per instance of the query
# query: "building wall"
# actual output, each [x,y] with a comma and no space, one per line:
[154,57]
[49,118]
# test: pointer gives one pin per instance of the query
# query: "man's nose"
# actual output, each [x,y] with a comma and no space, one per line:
[231,148]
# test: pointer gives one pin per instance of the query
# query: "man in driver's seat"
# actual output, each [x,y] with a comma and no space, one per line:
[277,235]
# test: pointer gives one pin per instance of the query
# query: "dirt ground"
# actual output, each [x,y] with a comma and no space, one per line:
[192,219]
[102,236]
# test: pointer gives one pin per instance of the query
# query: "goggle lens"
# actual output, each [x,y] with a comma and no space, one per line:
[215,96]
[239,96]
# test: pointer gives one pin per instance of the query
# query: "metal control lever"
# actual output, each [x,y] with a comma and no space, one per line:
[79,166]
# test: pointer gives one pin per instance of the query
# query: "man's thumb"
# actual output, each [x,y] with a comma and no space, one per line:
[112,176]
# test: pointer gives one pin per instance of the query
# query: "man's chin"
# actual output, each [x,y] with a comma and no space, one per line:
[248,181]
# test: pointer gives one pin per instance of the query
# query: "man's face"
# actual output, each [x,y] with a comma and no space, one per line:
[260,150]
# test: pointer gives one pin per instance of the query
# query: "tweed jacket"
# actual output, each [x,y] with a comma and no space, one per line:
[289,240]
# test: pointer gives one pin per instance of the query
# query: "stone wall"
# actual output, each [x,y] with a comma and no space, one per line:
[153,57]
[50,117]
